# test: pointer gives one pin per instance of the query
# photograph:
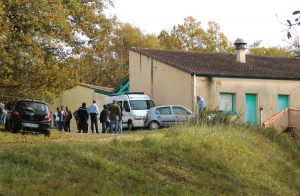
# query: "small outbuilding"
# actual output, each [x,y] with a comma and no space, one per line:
[73,98]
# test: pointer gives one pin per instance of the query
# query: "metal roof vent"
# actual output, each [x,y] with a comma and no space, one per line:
[240,45]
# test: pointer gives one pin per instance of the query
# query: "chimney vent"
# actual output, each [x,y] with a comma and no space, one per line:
[240,46]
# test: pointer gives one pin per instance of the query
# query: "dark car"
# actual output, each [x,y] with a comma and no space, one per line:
[29,115]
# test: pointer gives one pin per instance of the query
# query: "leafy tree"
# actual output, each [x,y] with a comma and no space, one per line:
[215,40]
[170,41]
[191,36]
[294,44]
[123,37]
[41,42]
[258,50]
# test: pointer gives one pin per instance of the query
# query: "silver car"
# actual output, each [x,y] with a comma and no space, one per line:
[167,115]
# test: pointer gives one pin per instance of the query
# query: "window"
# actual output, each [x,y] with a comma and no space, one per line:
[141,104]
[180,111]
[32,106]
[283,102]
[126,106]
[227,102]
[163,111]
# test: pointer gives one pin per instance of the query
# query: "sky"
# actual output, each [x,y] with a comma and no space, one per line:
[251,20]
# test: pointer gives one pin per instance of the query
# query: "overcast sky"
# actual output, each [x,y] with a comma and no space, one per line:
[249,19]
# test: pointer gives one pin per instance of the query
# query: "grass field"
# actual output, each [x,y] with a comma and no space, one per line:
[222,160]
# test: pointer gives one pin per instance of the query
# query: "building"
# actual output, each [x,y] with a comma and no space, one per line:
[255,87]
[73,98]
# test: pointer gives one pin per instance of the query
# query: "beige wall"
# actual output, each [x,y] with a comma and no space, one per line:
[74,97]
[267,93]
[294,118]
[163,83]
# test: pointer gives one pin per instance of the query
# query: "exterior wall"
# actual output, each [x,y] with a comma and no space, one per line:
[286,120]
[294,118]
[74,97]
[163,83]
[267,93]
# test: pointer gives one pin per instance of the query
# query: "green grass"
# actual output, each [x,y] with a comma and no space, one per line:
[221,160]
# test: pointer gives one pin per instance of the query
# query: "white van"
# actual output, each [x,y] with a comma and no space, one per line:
[134,108]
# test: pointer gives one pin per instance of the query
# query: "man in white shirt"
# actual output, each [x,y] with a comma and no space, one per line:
[93,110]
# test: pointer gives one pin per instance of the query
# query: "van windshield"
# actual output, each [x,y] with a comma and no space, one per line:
[141,104]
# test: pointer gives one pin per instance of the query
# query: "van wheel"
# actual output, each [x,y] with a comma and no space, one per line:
[130,126]
[153,125]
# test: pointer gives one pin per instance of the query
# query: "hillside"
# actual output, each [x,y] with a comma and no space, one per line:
[176,161]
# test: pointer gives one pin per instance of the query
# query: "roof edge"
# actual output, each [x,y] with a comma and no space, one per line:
[160,60]
[95,87]
[248,77]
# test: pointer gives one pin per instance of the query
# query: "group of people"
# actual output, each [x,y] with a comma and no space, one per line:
[62,118]
[110,117]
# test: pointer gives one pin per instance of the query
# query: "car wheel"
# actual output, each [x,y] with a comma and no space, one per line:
[130,126]
[6,126]
[47,133]
[153,125]
[14,129]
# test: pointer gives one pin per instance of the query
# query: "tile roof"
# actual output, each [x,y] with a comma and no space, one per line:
[97,87]
[225,65]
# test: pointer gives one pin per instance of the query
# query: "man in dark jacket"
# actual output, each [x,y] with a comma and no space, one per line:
[114,113]
[103,118]
[83,117]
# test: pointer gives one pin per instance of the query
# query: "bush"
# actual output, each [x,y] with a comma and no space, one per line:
[212,117]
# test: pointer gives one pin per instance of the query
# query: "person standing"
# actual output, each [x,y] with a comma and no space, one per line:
[201,103]
[120,126]
[104,118]
[75,114]
[68,119]
[114,112]
[83,117]
[94,111]
[56,119]
[3,114]
[61,122]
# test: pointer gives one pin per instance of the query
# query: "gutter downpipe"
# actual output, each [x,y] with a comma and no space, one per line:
[194,91]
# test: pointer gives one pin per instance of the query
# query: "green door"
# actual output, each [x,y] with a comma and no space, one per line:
[283,102]
[251,109]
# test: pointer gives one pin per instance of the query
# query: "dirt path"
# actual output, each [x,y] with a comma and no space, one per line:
[9,138]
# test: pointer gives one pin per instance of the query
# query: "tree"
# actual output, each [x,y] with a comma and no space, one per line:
[123,36]
[191,36]
[41,42]
[291,24]
[258,50]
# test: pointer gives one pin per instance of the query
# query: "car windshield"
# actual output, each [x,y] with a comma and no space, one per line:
[141,104]
[33,106]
